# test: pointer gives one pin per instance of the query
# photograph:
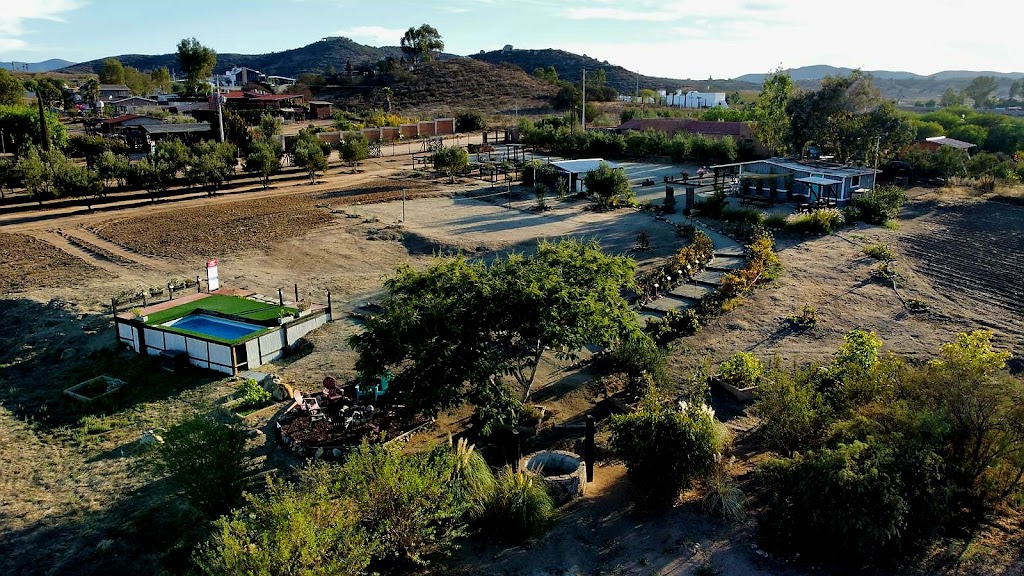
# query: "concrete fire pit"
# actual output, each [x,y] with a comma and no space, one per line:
[565,473]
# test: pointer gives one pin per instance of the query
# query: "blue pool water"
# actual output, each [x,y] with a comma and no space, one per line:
[213,326]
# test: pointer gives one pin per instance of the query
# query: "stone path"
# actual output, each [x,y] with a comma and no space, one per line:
[729,255]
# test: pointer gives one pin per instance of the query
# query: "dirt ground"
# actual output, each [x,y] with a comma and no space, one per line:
[76,487]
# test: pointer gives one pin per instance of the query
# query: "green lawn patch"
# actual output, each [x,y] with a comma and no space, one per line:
[236,306]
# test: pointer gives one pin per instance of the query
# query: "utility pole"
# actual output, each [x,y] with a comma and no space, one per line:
[583,124]
[638,86]
[874,177]
[220,111]
[44,130]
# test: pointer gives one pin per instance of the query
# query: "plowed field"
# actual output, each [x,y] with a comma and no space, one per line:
[226,228]
[26,262]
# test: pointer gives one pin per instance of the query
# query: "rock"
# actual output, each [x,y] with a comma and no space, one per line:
[150,437]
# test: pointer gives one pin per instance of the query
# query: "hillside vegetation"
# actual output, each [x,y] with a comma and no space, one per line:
[442,87]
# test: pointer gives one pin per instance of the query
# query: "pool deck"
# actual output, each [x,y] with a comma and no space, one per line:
[185,300]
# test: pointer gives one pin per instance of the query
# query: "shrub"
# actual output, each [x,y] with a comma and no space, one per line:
[664,449]
[791,409]
[471,480]
[407,502]
[469,121]
[637,355]
[609,185]
[722,497]
[775,221]
[742,370]
[742,215]
[521,507]
[207,461]
[881,204]
[880,252]
[823,221]
[252,395]
[807,318]
[288,531]
[714,206]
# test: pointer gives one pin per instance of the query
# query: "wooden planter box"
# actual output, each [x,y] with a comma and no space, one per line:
[87,391]
[741,394]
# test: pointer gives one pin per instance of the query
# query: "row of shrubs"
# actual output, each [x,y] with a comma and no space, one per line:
[762,265]
[874,207]
[381,510]
[563,141]
[684,264]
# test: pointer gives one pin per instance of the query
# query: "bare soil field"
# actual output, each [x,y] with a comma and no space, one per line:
[30,262]
[257,224]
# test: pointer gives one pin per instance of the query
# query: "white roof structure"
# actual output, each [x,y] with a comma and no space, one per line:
[951,142]
[818,180]
[582,166]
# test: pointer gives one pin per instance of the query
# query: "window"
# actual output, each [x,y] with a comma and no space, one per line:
[855,182]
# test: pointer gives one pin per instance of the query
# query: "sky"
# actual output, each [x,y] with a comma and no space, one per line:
[675,39]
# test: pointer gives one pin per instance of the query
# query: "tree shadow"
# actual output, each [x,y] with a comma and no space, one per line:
[53,346]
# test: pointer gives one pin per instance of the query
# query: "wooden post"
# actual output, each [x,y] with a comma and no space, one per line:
[280,297]
[296,293]
[589,450]
[170,292]
[113,307]
[199,285]
[330,310]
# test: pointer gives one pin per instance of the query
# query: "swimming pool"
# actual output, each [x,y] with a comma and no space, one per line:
[213,326]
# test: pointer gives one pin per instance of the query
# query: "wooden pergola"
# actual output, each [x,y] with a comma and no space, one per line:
[824,192]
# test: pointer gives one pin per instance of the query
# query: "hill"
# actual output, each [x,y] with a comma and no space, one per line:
[443,87]
[315,57]
[570,67]
[819,71]
[44,66]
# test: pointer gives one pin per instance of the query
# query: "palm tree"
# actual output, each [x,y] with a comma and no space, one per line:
[90,90]
[387,93]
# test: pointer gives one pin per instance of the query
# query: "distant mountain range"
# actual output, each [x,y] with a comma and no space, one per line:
[820,71]
[45,66]
[316,57]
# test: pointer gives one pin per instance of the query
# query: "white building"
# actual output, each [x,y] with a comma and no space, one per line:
[694,99]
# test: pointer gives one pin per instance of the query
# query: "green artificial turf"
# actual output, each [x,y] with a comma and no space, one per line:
[235,306]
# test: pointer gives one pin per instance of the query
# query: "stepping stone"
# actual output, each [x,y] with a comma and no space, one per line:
[710,278]
[732,250]
[691,291]
[666,303]
[727,263]
[648,315]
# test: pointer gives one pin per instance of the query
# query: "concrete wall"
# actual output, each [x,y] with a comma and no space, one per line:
[444,126]
[332,138]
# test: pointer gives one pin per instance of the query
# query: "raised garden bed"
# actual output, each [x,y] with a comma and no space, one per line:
[94,388]
[741,394]
[330,438]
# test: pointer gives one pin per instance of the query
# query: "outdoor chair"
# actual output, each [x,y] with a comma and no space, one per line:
[331,391]
[310,405]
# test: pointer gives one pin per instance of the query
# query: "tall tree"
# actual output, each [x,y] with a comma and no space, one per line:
[1016,88]
[458,327]
[951,98]
[161,78]
[11,89]
[772,125]
[981,89]
[197,62]
[140,83]
[263,160]
[419,44]
[90,90]
[112,72]
[269,127]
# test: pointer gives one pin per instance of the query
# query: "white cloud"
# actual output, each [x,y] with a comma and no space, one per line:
[14,14]
[375,34]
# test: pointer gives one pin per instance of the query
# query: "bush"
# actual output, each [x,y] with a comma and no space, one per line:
[520,508]
[743,215]
[469,121]
[823,221]
[742,370]
[408,503]
[207,461]
[609,185]
[722,497]
[252,395]
[791,409]
[664,449]
[712,207]
[288,531]
[637,355]
[881,204]
[775,221]
[880,252]
[807,318]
